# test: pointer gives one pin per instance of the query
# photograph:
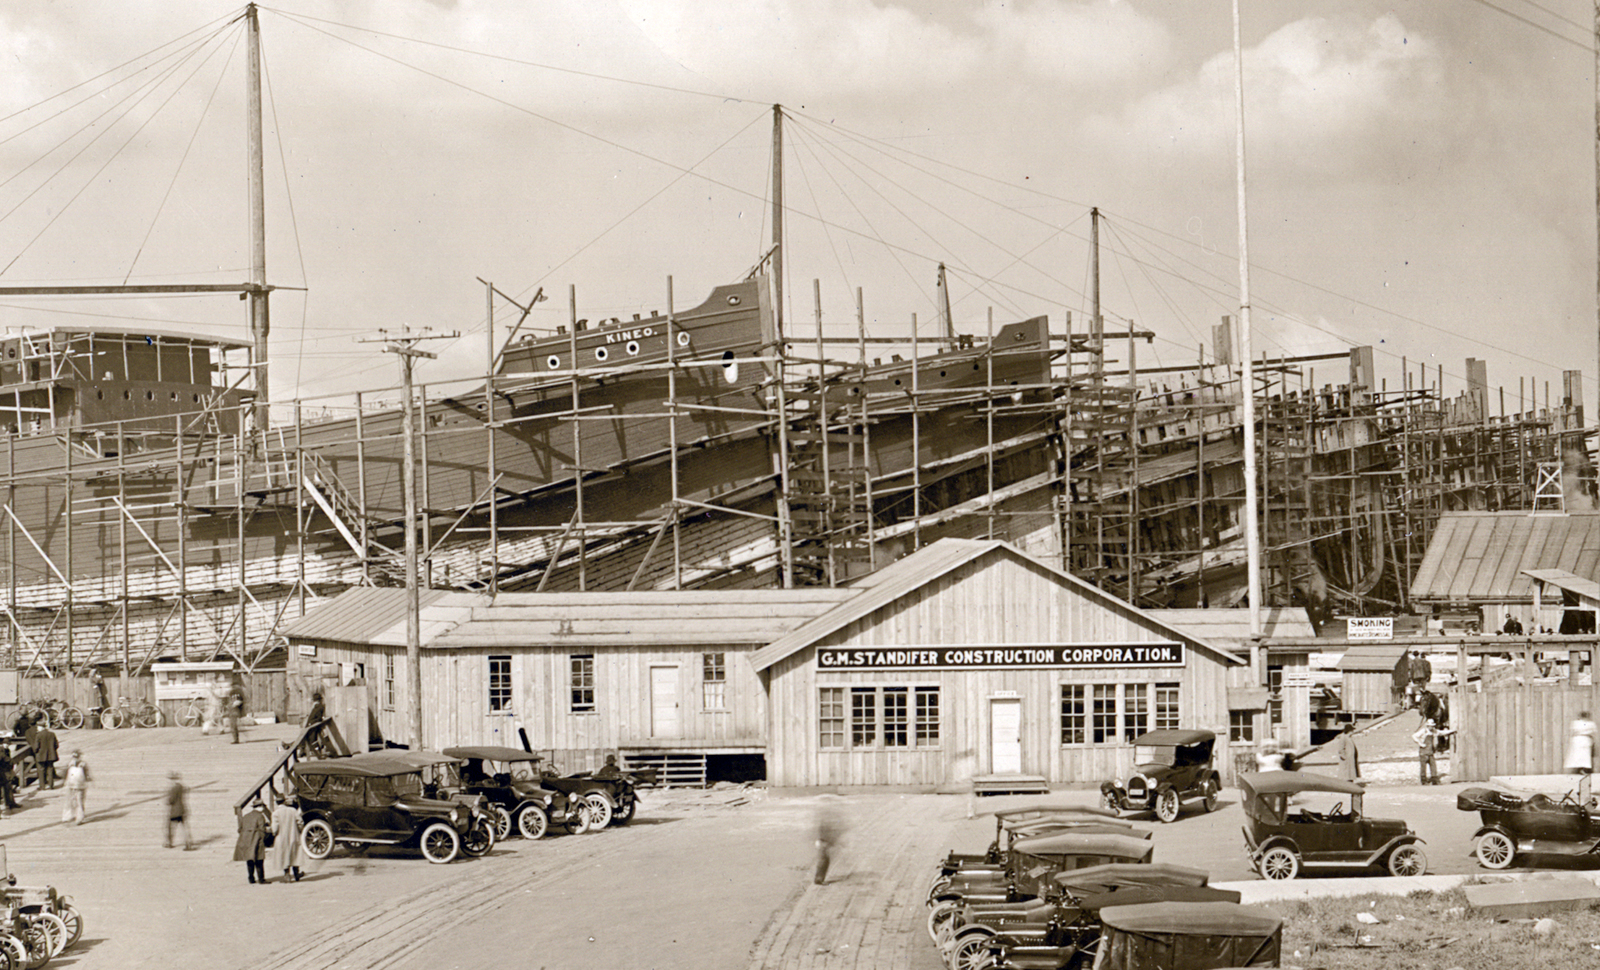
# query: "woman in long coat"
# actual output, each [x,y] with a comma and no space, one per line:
[251,847]
[285,829]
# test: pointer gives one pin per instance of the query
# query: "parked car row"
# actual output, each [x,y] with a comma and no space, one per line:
[39,925]
[461,801]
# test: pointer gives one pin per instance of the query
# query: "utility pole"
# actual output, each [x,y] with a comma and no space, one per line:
[404,346]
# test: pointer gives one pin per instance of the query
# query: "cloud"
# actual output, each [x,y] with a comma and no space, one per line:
[1095,44]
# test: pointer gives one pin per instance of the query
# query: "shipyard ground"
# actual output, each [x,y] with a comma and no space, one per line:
[718,879]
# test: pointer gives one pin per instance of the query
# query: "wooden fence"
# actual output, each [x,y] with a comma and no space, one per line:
[265,692]
[1518,730]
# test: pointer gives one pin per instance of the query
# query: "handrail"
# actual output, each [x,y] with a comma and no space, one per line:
[290,756]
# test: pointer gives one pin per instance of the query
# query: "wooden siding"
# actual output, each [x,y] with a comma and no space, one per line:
[1517,731]
[455,700]
[993,599]
[1366,692]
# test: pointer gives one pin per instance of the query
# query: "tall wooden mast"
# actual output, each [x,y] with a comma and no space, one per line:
[259,324]
[1247,376]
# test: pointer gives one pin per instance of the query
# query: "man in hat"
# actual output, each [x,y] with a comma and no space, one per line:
[1427,738]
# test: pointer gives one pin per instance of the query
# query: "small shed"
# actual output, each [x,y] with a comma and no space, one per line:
[1369,671]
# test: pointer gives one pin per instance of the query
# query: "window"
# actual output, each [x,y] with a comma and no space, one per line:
[1275,695]
[1103,719]
[896,717]
[1166,706]
[713,681]
[1135,712]
[863,716]
[582,683]
[500,684]
[1242,726]
[879,717]
[388,681]
[1074,716]
[831,721]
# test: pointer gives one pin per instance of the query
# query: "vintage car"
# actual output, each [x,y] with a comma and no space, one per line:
[612,795]
[1284,839]
[1539,824]
[1195,936]
[1170,766]
[513,794]
[1029,868]
[381,798]
[1014,824]
[1069,915]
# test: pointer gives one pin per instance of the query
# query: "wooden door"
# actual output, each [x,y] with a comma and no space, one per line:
[1005,735]
[664,702]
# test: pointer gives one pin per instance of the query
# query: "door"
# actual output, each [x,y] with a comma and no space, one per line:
[664,702]
[1005,735]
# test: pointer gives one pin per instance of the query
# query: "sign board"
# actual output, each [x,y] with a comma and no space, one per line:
[1002,656]
[178,681]
[1299,677]
[1370,628]
[308,650]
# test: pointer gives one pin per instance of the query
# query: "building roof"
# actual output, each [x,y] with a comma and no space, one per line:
[571,620]
[1368,658]
[1230,628]
[1562,579]
[1482,557]
[922,567]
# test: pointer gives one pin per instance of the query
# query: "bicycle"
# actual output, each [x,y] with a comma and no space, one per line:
[195,713]
[58,714]
[125,714]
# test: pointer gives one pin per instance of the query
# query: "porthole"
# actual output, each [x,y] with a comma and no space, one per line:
[941,373]
[600,353]
[730,367]
[733,301]
[683,338]
[99,395]
[197,399]
[897,382]
[553,362]
[633,348]
[149,395]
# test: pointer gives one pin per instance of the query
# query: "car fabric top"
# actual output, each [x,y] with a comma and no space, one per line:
[1276,782]
[1063,843]
[1052,811]
[1192,919]
[376,764]
[1175,736]
[492,752]
[1141,895]
[1120,875]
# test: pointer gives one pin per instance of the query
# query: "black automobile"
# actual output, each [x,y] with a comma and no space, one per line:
[382,798]
[508,781]
[612,793]
[1283,839]
[1170,766]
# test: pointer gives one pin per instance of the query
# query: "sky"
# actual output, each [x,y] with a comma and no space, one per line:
[1420,174]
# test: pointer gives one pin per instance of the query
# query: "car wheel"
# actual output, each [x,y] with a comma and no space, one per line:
[480,838]
[316,839]
[16,952]
[532,823]
[624,813]
[36,939]
[1108,801]
[1212,790]
[1280,862]
[1407,860]
[73,921]
[54,929]
[1168,805]
[971,951]
[942,913]
[583,821]
[1495,851]
[937,888]
[440,843]
[502,822]
[600,808]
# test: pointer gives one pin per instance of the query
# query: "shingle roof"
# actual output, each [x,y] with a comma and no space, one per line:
[1481,557]
[1371,657]
[1231,627]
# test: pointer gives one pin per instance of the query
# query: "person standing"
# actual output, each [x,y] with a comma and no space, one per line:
[235,709]
[829,830]
[77,781]
[178,811]
[97,687]
[285,829]
[46,750]
[1427,738]
[1349,754]
[252,844]
[1580,747]
[8,800]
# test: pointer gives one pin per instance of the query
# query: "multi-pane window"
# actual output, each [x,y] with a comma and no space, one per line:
[388,681]
[831,719]
[1275,695]
[500,684]
[1166,706]
[878,717]
[582,682]
[1074,714]
[1241,726]
[863,716]
[896,717]
[713,681]
[1116,713]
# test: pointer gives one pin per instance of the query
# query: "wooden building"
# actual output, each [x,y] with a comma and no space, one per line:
[970,658]
[1368,671]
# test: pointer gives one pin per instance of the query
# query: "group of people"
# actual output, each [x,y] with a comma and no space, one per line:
[45,748]
[274,838]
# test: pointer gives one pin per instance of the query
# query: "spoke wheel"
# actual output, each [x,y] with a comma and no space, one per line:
[36,938]
[941,913]
[502,822]
[971,952]
[1168,805]
[1495,851]
[190,717]
[73,921]
[599,809]
[1407,860]
[1212,790]
[584,820]
[111,719]
[72,719]
[1108,801]
[440,843]
[532,822]
[316,839]
[480,838]
[624,813]
[54,928]
[1280,862]
[148,719]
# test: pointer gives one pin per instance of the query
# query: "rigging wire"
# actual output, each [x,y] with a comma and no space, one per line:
[1538,26]
[187,148]
[294,221]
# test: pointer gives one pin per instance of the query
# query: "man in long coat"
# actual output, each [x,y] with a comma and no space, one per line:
[251,847]
[47,753]
[285,830]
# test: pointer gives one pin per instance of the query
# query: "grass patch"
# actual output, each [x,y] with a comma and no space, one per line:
[1428,931]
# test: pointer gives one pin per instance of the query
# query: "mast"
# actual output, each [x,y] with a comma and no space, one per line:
[947,326]
[780,458]
[777,219]
[1247,379]
[258,219]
